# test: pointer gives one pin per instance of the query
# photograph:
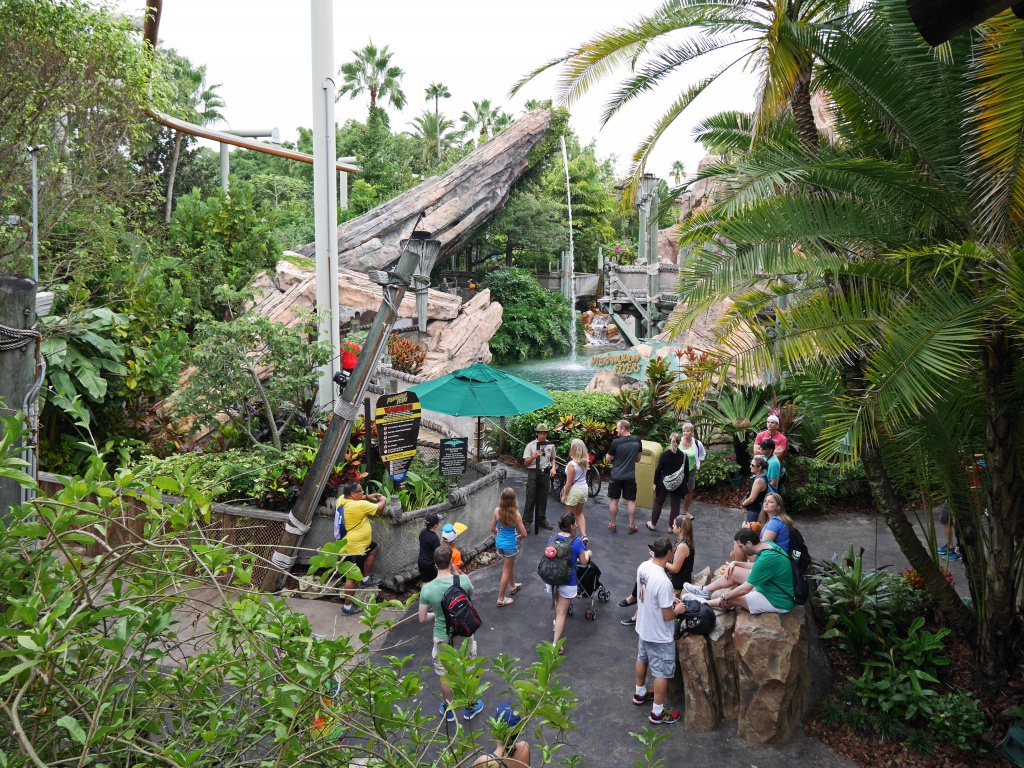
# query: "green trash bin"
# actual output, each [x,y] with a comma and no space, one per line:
[649,455]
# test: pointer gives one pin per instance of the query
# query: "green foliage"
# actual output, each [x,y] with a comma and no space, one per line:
[373,73]
[534,323]
[921,741]
[958,719]
[424,485]
[582,406]
[530,226]
[815,483]
[223,239]
[647,408]
[119,701]
[918,650]
[733,414]
[715,468]
[259,375]
[887,688]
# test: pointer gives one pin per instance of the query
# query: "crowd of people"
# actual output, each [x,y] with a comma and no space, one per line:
[757,579]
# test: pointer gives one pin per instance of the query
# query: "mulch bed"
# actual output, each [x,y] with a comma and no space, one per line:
[870,751]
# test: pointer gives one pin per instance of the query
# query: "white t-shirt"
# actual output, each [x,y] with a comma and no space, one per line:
[654,592]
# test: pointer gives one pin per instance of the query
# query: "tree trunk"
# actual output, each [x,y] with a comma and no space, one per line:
[508,252]
[803,115]
[941,591]
[739,447]
[171,175]
[999,628]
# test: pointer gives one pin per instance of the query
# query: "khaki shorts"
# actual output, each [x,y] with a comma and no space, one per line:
[575,496]
[438,641]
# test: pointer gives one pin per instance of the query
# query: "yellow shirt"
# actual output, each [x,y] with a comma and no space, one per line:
[357,522]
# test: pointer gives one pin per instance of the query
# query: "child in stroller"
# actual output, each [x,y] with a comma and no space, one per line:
[588,580]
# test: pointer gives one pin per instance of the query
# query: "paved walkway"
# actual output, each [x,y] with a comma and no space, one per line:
[601,654]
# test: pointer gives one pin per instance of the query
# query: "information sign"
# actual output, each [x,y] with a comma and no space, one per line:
[398,426]
[454,453]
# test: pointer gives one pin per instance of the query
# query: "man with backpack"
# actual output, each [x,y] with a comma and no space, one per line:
[767,587]
[657,609]
[445,600]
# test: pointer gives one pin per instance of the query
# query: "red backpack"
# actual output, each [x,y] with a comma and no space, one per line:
[460,617]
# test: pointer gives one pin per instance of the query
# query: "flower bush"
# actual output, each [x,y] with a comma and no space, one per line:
[406,355]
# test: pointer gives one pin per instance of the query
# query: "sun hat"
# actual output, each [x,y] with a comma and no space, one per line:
[542,427]
[451,532]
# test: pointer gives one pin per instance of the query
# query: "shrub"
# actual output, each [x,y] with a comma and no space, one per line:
[406,355]
[583,406]
[716,468]
[814,483]
[957,719]
[534,323]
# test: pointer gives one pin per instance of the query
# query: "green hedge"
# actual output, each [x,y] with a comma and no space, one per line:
[583,406]
[814,483]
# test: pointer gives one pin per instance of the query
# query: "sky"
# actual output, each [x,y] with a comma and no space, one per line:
[258,51]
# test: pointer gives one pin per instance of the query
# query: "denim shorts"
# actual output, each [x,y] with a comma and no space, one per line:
[660,656]
[507,552]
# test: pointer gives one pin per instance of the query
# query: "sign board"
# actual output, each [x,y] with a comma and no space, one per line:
[454,452]
[398,426]
[626,363]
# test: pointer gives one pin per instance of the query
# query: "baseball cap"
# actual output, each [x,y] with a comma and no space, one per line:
[433,518]
[507,716]
[773,417]
[451,532]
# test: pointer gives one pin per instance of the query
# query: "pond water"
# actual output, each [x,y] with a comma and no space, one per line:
[561,373]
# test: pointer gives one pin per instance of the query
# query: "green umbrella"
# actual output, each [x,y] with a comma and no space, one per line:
[481,391]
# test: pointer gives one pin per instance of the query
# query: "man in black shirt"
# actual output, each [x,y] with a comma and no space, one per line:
[623,453]
[429,541]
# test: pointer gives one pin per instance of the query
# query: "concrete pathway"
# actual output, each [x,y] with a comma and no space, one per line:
[601,654]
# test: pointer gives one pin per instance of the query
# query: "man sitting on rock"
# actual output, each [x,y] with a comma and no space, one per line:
[767,587]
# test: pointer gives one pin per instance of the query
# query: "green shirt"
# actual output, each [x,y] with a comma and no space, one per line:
[772,576]
[433,593]
[774,471]
[691,456]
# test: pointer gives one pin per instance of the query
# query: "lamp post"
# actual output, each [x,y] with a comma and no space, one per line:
[34,152]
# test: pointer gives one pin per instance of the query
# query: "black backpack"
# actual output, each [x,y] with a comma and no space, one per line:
[699,618]
[555,566]
[799,563]
[783,480]
[460,617]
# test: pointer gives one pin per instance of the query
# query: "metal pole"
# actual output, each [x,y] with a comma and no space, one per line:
[366,436]
[325,189]
[34,154]
[225,166]
[419,249]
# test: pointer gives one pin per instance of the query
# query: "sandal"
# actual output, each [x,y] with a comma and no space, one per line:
[633,529]
[505,601]
[612,527]
[516,587]
[651,526]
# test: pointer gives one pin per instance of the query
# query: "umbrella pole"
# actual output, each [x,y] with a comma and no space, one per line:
[479,427]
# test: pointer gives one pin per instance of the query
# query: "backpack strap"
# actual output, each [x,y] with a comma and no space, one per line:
[447,624]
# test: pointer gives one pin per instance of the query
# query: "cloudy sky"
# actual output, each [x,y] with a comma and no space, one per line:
[258,50]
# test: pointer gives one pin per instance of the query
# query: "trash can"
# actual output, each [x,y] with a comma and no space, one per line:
[649,455]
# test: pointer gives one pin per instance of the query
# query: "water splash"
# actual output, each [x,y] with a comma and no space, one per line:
[572,257]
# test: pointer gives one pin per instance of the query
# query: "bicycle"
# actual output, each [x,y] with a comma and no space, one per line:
[593,479]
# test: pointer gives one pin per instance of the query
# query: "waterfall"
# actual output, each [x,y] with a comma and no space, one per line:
[572,258]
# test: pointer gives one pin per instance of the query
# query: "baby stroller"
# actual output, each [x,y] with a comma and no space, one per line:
[589,586]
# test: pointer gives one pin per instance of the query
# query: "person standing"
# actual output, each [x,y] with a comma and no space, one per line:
[507,526]
[669,463]
[574,494]
[758,489]
[623,453]
[429,541]
[360,548]
[695,454]
[772,433]
[539,459]
[566,593]
[680,563]
[655,624]
[431,597]
[774,470]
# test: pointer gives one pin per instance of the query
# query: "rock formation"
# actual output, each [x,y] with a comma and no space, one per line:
[455,203]
[766,672]
[457,334]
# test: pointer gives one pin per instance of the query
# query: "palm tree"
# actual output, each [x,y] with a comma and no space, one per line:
[742,30]
[905,329]
[438,91]
[678,172]
[481,120]
[373,72]
[434,132]
[195,102]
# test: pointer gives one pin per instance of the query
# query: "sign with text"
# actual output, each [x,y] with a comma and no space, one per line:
[398,426]
[625,363]
[454,453]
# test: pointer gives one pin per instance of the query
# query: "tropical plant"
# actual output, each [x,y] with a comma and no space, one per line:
[678,172]
[481,120]
[250,680]
[647,409]
[257,374]
[903,328]
[596,407]
[902,692]
[814,484]
[406,355]
[534,323]
[372,72]
[435,134]
[744,32]
[733,414]
[438,91]
[958,719]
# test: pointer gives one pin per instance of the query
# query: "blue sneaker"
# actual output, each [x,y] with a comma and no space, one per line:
[447,714]
[943,550]
[476,709]
[951,555]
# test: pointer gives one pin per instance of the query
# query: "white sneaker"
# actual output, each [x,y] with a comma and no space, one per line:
[700,592]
